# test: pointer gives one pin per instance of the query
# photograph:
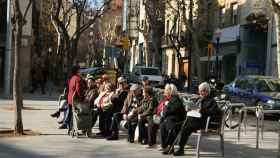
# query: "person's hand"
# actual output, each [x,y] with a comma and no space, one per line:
[125,116]
[134,110]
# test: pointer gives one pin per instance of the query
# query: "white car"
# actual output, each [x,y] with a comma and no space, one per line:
[153,74]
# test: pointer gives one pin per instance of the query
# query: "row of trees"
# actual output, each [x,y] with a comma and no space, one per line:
[62,14]
[189,36]
[193,35]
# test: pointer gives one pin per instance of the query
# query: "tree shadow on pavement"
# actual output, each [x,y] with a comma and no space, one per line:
[211,148]
[9,151]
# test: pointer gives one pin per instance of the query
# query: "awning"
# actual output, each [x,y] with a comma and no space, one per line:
[228,34]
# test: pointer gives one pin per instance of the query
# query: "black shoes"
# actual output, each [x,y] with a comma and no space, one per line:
[168,151]
[113,137]
[63,126]
[179,152]
[56,114]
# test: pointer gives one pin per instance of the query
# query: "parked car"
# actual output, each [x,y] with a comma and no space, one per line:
[153,73]
[98,71]
[255,90]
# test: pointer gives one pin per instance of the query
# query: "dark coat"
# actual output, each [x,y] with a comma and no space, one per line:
[208,107]
[91,95]
[148,107]
[174,111]
[118,101]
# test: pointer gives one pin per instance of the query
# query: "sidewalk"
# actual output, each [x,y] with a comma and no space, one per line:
[53,143]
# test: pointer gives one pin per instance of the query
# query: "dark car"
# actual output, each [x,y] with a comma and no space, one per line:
[97,72]
[255,90]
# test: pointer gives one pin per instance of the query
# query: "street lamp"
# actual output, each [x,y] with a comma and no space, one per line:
[217,34]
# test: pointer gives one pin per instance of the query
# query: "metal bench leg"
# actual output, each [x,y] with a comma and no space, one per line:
[198,145]
[262,125]
[239,126]
[222,144]
[245,121]
[257,134]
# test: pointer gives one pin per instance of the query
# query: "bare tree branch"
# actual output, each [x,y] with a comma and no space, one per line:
[27,8]
[98,13]
[276,6]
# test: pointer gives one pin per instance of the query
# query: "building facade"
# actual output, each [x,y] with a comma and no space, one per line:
[247,40]
[243,38]
[6,46]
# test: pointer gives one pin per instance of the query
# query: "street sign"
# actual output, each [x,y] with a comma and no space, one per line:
[210,49]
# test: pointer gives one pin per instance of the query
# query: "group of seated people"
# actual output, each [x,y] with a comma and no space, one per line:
[138,105]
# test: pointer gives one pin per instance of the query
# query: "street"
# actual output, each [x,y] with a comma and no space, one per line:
[53,142]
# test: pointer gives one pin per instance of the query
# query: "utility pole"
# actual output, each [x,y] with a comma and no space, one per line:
[8,52]
[190,46]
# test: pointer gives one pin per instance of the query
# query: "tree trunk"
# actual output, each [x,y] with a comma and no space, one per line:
[278,43]
[18,126]
[146,52]
[71,51]
[196,57]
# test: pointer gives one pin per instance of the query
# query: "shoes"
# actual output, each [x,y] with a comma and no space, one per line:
[151,146]
[56,114]
[63,126]
[130,140]
[143,142]
[179,152]
[113,137]
[168,151]
[100,134]
[60,122]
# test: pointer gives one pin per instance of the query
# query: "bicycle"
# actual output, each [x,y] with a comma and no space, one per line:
[234,116]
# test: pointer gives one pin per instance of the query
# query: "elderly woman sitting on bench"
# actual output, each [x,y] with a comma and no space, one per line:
[206,106]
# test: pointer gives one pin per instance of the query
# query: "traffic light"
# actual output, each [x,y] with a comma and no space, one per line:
[210,49]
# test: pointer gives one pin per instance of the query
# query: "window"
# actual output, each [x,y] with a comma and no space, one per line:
[142,24]
[234,13]
[222,13]
[143,2]
[262,86]
[167,27]
[150,71]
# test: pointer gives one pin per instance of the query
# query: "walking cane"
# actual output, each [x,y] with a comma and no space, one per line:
[178,135]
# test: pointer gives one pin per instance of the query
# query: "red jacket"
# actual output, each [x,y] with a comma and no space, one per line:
[76,83]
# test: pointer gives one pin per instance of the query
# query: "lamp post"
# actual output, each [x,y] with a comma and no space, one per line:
[217,34]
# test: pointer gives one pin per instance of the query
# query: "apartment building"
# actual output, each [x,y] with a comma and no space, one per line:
[243,36]
[6,46]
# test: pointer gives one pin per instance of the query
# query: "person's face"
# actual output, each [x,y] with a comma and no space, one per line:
[167,92]
[90,83]
[97,82]
[203,93]
[121,85]
[145,83]
[145,94]
[107,88]
[136,92]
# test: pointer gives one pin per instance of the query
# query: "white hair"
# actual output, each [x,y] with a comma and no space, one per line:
[171,88]
[205,86]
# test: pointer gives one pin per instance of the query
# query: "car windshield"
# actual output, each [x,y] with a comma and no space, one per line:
[274,85]
[262,85]
[150,71]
